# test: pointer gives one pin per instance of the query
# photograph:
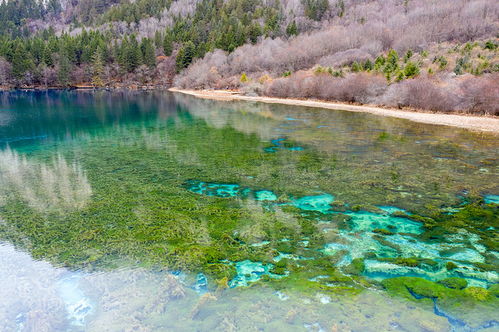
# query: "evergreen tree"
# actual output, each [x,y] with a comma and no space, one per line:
[63,75]
[98,68]
[185,55]
[148,53]
[292,29]
[132,54]
[168,44]
[254,31]
[158,39]
[368,65]
[411,69]
[22,61]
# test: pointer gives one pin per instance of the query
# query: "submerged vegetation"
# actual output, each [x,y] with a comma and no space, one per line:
[228,196]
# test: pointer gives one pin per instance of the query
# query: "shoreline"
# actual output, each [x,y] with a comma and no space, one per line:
[471,122]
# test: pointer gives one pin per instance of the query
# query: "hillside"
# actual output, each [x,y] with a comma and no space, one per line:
[434,55]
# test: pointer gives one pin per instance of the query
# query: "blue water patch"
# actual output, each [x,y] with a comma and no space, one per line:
[369,221]
[277,144]
[491,199]
[78,306]
[260,244]
[392,209]
[217,189]
[265,195]
[22,138]
[201,285]
[319,203]
[248,272]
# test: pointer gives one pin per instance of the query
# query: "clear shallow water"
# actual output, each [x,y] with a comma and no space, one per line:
[311,208]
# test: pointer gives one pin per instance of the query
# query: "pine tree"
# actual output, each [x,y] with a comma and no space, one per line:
[64,69]
[185,55]
[368,65]
[98,68]
[132,54]
[148,53]
[292,29]
[168,44]
[21,61]
[158,39]
[411,69]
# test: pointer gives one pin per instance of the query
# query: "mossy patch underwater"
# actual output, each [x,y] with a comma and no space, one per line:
[197,193]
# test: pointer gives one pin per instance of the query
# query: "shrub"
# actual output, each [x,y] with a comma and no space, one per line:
[356,67]
[411,70]
[490,45]
[244,78]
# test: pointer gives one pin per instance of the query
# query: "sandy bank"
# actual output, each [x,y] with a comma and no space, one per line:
[480,123]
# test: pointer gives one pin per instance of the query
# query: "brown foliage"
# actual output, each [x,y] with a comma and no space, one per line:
[478,95]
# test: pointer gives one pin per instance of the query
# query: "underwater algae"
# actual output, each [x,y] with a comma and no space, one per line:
[195,191]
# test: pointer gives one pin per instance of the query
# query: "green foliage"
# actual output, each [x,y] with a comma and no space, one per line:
[490,45]
[408,55]
[442,62]
[411,69]
[148,52]
[368,65]
[98,68]
[22,60]
[461,65]
[391,64]
[133,11]
[315,9]
[292,29]
[63,75]
[185,55]
[244,78]
[341,9]
[356,67]
[320,70]
[379,63]
[168,44]
[13,15]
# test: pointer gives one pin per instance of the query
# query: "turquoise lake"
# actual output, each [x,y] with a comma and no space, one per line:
[153,211]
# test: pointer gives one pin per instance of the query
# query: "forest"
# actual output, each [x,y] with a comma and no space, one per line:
[423,54]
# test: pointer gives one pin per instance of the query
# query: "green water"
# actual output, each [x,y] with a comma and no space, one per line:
[165,212]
